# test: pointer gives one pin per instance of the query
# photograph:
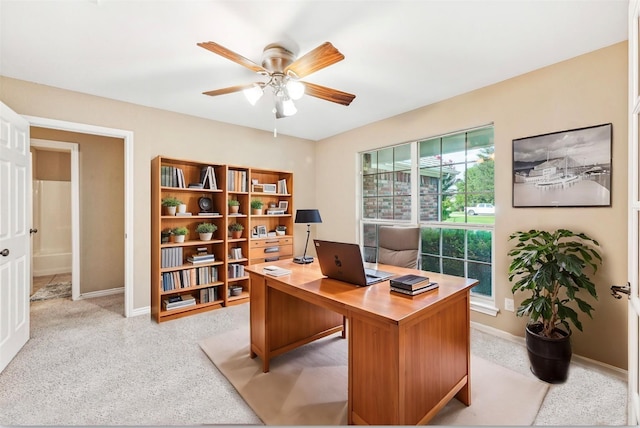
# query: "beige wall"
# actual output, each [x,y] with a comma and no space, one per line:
[159,132]
[584,91]
[51,165]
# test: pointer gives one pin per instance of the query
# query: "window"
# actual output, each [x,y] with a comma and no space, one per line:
[448,182]
[386,183]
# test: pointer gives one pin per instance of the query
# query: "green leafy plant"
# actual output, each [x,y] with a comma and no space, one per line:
[171,201]
[180,230]
[256,204]
[233,203]
[206,228]
[551,266]
[281,228]
[235,227]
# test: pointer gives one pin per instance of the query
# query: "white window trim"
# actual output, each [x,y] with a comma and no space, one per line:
[481,304]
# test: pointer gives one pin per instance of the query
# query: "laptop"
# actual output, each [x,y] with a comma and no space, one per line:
[343,261]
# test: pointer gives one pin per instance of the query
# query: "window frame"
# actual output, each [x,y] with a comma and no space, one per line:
[480,303]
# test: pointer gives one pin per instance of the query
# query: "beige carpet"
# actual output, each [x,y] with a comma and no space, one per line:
[308,386]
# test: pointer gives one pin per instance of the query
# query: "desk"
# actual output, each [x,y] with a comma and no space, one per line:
[408,356]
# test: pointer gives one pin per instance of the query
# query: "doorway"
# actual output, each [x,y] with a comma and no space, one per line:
[127,192]
[55,225]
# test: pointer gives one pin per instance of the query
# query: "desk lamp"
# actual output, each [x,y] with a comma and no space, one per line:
[306,216]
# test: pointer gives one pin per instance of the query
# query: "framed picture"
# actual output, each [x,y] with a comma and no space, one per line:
[563,169]
[262,231]
[283,205]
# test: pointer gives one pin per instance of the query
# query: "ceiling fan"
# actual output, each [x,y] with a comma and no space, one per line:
[284,70]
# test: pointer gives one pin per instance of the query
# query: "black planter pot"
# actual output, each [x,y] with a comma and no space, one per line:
[549,357]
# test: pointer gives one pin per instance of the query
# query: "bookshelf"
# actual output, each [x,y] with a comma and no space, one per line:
[237,248]
[200,275]
[275,190]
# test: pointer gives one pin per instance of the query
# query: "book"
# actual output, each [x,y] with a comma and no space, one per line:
[204,256]
[276,271]
[184,300]
[282,187]
[431,286]
[409,282]
[192,261]
[208,178]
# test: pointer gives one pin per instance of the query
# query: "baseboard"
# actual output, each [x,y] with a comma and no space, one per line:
[141,311]
[101,293]
[585,362]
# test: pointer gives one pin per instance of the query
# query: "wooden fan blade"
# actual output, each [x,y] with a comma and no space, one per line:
[328,94]
[229,90]
[322,56]
[222,51]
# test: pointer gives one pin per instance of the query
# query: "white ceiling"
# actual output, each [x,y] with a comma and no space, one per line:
[399,55]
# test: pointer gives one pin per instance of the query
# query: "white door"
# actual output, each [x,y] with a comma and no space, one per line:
[15,206]
[634,210]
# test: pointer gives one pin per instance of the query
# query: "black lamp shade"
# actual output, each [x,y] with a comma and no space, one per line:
[308,216]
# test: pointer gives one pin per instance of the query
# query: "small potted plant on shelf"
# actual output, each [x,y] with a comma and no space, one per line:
[234,206]
[281,230]
[236,230]
[171,204]
[165,234]
[206,230]
[552,266]
[256,207]
[179,233]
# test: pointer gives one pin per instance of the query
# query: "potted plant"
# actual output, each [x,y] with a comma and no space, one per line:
[171,203]
[165,234]
[179,233]
[236,230]
[234,206]
[206,230]
[552,267]
[256,207]
[281,230]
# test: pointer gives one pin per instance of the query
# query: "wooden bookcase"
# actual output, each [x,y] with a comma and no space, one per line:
[172,274]
[277,210]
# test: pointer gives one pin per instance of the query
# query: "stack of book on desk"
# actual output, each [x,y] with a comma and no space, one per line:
[411,285]
[276,271]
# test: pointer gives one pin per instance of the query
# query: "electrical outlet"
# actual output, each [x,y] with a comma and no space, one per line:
[508,304]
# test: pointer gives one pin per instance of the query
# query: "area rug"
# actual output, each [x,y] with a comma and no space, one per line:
[308,386]
[52,291]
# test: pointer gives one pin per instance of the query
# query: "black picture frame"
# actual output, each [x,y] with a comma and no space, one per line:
[569,168]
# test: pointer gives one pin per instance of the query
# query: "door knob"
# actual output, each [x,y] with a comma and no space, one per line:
[33,230]
[5,252]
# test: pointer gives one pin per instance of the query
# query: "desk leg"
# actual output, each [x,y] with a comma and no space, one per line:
[464,395]
[344,327]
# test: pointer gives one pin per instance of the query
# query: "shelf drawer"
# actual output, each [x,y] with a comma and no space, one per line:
[270,251]
[271,242]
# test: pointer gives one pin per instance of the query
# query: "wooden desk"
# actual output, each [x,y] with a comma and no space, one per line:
[408,356]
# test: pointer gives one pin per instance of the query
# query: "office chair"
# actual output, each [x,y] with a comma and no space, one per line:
[399,246]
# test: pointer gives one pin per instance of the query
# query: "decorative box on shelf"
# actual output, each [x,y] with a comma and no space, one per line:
[264,188]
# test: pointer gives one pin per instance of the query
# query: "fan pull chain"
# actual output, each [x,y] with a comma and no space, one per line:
[275,130]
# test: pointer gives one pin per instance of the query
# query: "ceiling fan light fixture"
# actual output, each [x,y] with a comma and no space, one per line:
[289,108]
[253,94]
[295,89]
